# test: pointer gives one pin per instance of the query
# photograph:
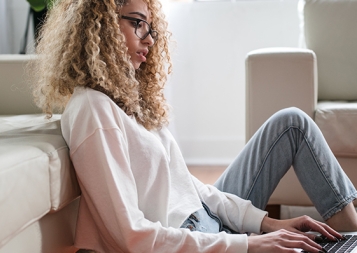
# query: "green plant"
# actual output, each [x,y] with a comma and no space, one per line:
[39,5]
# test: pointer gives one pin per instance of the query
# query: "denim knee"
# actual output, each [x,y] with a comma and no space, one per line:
[292,112]
[292,116]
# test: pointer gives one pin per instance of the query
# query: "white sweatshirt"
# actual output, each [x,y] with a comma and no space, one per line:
[136,188]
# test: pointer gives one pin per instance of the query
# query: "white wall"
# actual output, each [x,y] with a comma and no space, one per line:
[4,28]
[207,88]
[208,84]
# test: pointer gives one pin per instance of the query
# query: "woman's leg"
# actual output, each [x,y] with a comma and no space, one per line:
[290,137]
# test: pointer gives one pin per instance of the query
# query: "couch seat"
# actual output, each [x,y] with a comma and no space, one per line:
[36,174]
[338,123]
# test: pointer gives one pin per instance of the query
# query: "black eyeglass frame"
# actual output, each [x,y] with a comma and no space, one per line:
[154,34]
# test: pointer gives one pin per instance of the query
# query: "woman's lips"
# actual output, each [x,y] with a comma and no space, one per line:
[142,56]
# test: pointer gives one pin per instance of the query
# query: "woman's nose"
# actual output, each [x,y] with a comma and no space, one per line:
[149,40]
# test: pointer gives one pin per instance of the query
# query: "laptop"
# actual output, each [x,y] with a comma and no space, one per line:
[344,246]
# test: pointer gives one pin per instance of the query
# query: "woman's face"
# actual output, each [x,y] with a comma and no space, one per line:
[137,48]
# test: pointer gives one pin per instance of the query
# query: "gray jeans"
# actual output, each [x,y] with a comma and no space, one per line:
[289,137]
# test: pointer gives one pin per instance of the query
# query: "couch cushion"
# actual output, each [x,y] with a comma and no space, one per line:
[36,174]
[334,42]
[24,188]
[338,123]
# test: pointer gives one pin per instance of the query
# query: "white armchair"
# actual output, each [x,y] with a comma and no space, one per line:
[320,79]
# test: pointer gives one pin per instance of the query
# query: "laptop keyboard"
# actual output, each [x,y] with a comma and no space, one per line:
[343,246]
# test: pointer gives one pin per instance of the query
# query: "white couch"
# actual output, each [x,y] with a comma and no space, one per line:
[320,79]
[38,188]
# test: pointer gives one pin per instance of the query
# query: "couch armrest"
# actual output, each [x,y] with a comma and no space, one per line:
[15,85]
[277,78]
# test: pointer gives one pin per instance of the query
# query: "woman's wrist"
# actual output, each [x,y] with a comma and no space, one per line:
[268,224]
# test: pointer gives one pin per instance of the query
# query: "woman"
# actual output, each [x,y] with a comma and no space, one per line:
[106,63]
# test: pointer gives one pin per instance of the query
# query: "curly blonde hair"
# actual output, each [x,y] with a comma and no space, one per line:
[80,44]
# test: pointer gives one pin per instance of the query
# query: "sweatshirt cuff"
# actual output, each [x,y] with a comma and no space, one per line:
[237,243]
[253,220]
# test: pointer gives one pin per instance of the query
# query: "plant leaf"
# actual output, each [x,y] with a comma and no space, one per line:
[37,5]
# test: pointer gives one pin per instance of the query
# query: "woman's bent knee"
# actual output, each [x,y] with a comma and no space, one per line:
[292,115]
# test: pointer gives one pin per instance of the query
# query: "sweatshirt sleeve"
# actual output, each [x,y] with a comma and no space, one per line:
[236,213]
[109,193]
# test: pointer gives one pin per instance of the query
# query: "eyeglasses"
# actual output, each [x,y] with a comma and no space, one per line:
[142,28]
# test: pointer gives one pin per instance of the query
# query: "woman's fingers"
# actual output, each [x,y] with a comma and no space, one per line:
[329,232]
[282,241]
[308,224]
[302,241]
[305,224]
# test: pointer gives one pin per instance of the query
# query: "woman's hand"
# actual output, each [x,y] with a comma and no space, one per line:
[282,241]
[285,235]
[300,225]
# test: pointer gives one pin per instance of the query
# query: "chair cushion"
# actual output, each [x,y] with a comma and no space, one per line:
[36,174]
[330,31]
[338,123]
